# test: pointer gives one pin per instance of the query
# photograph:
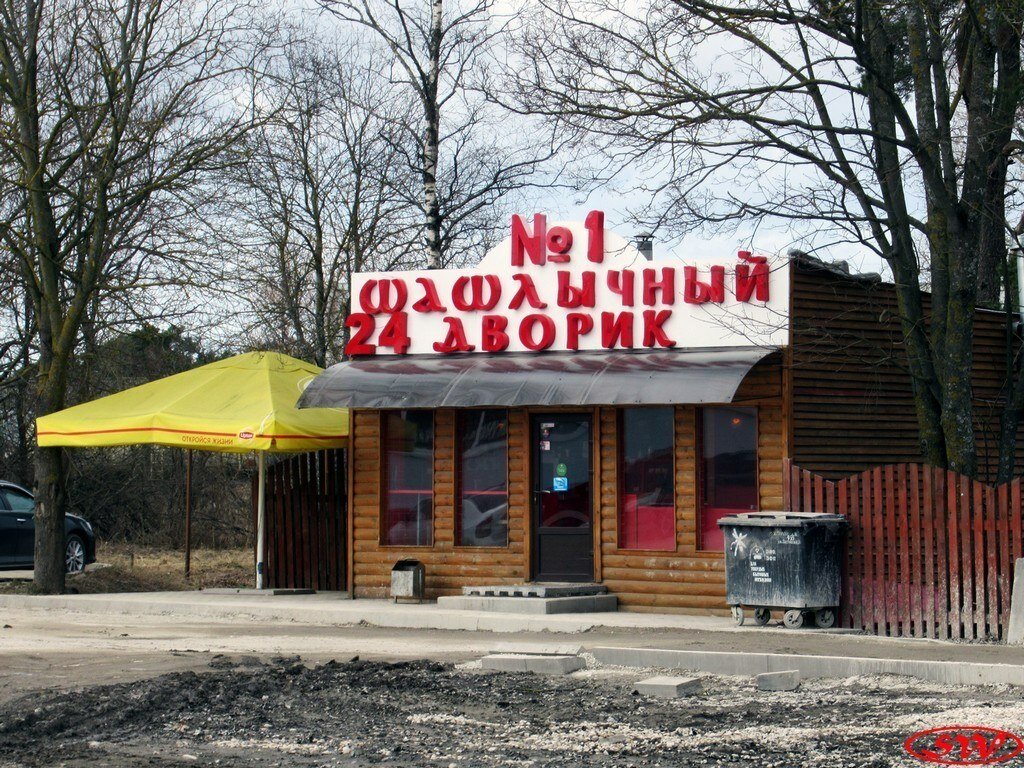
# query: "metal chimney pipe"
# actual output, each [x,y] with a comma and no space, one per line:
[645,244]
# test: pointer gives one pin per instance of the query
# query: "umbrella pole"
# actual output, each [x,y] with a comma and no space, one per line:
[261,513]
[188,513]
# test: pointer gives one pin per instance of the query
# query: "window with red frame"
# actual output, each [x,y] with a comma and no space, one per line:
[728,469]
[407,514]
[647,509]
[482,519]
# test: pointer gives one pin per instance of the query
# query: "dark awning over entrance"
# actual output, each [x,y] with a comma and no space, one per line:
[557,378]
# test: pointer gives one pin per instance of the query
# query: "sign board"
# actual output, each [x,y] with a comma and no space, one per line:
[570,286]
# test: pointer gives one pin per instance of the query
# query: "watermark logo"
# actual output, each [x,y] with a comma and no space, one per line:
[964,745]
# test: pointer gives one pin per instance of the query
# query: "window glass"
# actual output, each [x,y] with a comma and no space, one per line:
[18,501]
[647,512]
[483,478]
[728,468]
[408,510]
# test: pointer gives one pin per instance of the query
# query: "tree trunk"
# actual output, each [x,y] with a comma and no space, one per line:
[51,499]
[431,141]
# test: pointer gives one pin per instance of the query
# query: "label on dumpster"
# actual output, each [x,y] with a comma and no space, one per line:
[757,565]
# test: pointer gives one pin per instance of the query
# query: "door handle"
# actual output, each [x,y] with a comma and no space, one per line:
[22,519]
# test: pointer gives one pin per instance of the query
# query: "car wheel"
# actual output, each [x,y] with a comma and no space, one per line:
[74,555]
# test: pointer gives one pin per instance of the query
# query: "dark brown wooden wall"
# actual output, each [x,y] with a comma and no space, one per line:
[305,521]
[852,406]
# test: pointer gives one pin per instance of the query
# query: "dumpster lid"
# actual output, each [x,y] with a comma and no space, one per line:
[782,519]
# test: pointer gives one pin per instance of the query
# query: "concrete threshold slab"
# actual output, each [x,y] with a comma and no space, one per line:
[253,592]
[742,663]
[534,605]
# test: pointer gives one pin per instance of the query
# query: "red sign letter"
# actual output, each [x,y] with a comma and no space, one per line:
[654,334]
[494,337]
[385,302]
[621,283]
[698,292]
[476,286]
[752,282]
[595,236]
[547,332]
[430,301]
[528,291]
[455,340]
[666,285]
[363,325]
[577,324]
[570,296]
[531,245]
[617,330]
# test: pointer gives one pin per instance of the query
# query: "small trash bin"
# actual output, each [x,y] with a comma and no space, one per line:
[790,561]
[408,579]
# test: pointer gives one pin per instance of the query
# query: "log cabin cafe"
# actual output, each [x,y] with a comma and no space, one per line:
[572,410]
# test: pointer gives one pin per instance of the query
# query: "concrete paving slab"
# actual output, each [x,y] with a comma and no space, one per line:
[562,649]
[788,680]
[252,592]
[542,665]
[724,663]
[665,687]
[531,605]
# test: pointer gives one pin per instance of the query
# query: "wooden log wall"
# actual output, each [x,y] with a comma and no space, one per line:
[852,405]
[684,580]
[688,579]
[930,553]
[448,567]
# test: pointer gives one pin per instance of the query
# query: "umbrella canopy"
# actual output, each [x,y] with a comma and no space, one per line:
[245,403]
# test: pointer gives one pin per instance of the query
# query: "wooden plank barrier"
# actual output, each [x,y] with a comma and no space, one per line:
[930,553]
[305,521]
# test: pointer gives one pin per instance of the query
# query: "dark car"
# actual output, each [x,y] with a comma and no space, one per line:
[18,533]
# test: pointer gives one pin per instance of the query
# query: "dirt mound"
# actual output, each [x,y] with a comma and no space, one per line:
[246,712]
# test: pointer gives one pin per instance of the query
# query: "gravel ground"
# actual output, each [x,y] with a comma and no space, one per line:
[248,712]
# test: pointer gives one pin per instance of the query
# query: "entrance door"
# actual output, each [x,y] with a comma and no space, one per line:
[562,497]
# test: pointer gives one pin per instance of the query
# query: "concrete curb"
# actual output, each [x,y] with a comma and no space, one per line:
[721,663]
[347,612]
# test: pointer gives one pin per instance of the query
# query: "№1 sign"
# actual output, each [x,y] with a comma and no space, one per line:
[566,287]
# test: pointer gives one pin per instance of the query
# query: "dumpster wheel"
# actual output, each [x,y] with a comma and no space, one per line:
[737,615]
[825,618]
[793,618]
[762,616]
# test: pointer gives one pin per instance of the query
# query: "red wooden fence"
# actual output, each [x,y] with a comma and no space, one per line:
[305,521]
[930,552]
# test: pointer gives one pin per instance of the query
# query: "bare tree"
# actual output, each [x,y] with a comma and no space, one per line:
[441,53]
[889,124]
[323,193]
[113,113]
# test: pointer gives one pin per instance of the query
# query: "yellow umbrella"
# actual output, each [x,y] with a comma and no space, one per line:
[245,403]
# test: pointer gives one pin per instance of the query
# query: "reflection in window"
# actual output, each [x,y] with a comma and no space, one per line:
[483,478]
[728,468]
[647,514]
[408,510]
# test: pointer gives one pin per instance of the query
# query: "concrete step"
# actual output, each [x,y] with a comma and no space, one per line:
[548,589]
[532,605]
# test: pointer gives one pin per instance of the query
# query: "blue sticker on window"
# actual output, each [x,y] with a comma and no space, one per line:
[560,483]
